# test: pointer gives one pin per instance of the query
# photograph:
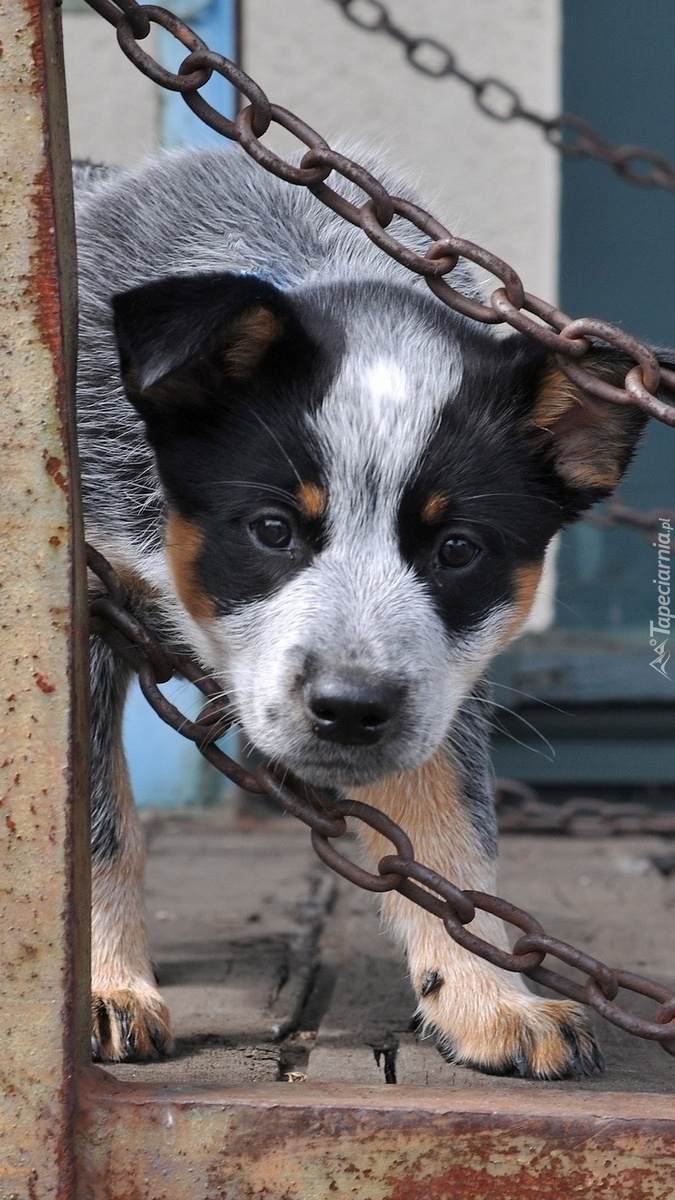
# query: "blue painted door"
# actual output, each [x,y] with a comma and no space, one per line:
[216,22]
[165,769]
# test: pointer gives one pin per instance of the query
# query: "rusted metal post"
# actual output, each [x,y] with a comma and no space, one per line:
[43,747]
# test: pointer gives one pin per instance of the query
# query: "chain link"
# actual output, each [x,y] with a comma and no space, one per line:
[615,513]
[509,303]
[571,135]
[326,816]
[520,809]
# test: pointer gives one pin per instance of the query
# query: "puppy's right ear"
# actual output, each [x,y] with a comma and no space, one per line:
[187,343]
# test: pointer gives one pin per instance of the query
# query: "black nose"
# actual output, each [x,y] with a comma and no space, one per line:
[351,712]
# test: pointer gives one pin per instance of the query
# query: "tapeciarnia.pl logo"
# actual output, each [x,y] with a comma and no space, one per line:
[659,630]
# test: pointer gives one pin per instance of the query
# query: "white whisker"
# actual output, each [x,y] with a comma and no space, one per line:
[491,704]
[529,696]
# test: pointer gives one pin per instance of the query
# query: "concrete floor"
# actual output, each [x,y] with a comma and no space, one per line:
[275,970]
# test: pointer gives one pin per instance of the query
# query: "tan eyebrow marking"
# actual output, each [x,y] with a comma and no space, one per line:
[312,500]
[433,506]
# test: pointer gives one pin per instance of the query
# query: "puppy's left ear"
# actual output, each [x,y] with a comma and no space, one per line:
[588,442]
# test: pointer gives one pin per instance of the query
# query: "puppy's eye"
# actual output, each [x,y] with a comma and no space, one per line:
[457,551]
[275,533]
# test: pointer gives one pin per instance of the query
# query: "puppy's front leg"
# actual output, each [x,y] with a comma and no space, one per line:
[129,1018]
[480,1015]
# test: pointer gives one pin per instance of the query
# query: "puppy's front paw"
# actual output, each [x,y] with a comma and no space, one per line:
[510,1033]
[129,1024]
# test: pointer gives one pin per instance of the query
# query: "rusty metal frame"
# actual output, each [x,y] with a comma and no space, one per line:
[43,757]
[69,1131]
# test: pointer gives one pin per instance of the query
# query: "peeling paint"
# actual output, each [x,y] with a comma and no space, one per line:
[53,468]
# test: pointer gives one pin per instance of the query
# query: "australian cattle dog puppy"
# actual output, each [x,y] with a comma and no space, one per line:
[337,495]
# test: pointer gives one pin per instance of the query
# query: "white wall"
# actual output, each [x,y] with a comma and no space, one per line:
[495,183]
[113,110]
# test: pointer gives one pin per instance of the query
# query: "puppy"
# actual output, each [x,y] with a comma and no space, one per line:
[338,495]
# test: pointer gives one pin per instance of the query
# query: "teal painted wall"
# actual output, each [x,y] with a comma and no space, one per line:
[617,261]
[612,717]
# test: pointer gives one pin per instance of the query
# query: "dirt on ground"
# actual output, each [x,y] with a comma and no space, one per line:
[276,970]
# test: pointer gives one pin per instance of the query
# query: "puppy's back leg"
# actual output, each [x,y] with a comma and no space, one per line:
[479,1015]
[129,1018]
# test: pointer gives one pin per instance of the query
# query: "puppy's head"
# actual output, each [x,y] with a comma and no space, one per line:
[360,491]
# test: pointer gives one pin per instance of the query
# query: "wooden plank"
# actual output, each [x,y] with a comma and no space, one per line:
[370,1003]
[234,919]
[272,967]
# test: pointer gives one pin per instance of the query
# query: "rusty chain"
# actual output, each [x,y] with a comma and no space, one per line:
[116,624]
[568,339]
[615,513]
[521,810]
[568,133]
